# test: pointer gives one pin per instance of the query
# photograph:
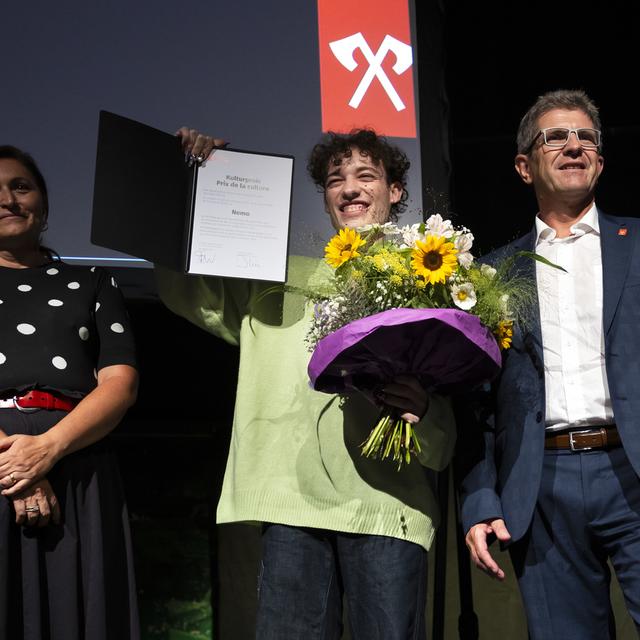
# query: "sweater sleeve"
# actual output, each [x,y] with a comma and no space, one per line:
[436,434]
[217,305]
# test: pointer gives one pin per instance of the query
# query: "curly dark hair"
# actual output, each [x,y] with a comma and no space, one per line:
[336,146]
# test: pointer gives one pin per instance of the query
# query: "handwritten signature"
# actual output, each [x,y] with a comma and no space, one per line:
[246,261]
[205,258]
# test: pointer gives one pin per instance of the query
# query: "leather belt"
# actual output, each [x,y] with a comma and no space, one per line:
[584,439]
[34,400]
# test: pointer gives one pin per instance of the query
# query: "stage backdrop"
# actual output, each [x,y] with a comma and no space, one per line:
[267,76]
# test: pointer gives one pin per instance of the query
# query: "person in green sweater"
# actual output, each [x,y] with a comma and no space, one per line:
[334,522]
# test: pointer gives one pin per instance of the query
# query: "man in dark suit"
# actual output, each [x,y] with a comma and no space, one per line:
[551,470]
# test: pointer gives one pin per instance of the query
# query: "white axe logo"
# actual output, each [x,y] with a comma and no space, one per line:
[344,49]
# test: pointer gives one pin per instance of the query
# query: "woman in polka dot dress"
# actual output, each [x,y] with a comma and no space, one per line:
[67,377]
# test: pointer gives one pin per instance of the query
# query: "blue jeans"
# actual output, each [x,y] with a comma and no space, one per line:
[306,571]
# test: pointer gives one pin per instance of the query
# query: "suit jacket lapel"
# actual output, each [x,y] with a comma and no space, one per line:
[616,242]
[526,266]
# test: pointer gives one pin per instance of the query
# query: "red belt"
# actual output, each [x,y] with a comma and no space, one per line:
[33,400]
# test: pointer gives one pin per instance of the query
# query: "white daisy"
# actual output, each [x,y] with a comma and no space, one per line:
[464,295]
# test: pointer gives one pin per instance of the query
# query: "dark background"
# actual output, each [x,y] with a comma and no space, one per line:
[499,57]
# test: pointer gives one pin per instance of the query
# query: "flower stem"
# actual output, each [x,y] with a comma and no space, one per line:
[392,437]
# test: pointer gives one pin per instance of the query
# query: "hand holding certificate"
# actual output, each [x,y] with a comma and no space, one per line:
[228,217]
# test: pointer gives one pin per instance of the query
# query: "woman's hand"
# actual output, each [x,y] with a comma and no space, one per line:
[408,395]
[197,146]
[24,460]
[37,506]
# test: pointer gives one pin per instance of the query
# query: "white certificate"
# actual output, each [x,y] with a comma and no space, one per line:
[240,226]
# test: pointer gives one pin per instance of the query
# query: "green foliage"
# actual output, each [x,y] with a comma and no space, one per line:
[172,559]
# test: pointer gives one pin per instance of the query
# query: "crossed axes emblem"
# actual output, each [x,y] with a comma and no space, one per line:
[344,49]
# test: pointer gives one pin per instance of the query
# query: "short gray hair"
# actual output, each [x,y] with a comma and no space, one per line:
[572,99]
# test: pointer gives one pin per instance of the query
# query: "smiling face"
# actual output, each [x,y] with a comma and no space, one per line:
[22,209]
[356,192]
[566,176]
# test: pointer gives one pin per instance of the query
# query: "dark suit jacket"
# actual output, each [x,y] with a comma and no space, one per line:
[500,450]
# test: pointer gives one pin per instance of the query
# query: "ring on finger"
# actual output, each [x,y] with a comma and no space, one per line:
[200,157]
[13,478]
[32,509]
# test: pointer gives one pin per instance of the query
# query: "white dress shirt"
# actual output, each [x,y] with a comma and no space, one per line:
[577,392]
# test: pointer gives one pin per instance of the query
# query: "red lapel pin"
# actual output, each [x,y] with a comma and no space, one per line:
[622,231]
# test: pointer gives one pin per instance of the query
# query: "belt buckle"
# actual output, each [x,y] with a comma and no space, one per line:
[23,409]
[572,443]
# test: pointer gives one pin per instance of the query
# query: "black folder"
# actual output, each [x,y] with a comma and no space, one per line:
[142,198]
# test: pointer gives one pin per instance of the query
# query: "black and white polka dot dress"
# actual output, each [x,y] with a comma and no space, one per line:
[59,325]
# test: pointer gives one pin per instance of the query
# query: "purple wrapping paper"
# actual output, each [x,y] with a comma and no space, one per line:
[448,350]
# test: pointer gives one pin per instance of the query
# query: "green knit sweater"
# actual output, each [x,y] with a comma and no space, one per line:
[294,457]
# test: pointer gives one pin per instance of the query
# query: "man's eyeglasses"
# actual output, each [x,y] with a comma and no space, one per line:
[559,136]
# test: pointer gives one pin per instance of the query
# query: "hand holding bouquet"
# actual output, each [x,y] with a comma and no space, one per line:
[410,301]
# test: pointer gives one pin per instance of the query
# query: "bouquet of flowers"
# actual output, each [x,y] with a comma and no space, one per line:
[410,300]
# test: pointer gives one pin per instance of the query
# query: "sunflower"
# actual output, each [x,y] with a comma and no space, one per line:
[343,247]
[504,333]
[434,259]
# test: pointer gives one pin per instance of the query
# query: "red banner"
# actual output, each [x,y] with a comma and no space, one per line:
[366,66]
